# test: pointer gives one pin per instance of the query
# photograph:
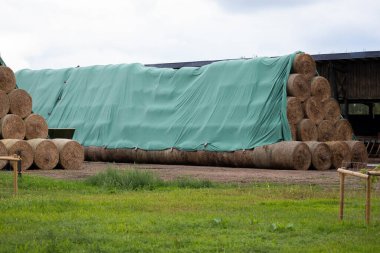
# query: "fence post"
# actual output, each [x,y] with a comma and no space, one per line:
[368,201]
[341,203]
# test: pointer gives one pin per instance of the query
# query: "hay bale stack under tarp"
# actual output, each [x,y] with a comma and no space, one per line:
[341,155]
[20,103]
[45,153]
[307,131]
[326,131]
[358,152]
[7,79]
[332,110]
[343,130]
[298,86]
[4,103]
[36,127]
[71,153]
[294,111]
[3,152]
[314,110]
[320,88]
[290,155]
[320,155]
[304,64]
[12,127]
[22,148]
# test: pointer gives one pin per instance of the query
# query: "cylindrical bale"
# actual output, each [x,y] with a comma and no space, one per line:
[3,152]
[304,64]
[45,153]
[226,159]
[294,111]
[320,155]
[93,153]
[326,131]
[7,79]
[320,88]
[293,130]
[341,155]
[36,127]
[332,109]
[314,110]
[123,155]
[289,155]
[343,130]
[307,131]
[21,148]
[243,158]
[12,127]
[358,152]
[4,103]
[20,103]
[298,86]
[71,153]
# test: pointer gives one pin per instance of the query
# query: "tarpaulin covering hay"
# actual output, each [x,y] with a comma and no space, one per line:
[326,131]
[3,152]
[332,109]
[343,130]
[294,111]
[307,131]
[20,103]
[7,79]
[304,64]
[341,154]
[4,103]
[22,148]
[358,152]
[320,88]
[12,127]
[298,86]
[320,155]
[36,127]
[314,109]
[45,153]
[71,153]
[291,155]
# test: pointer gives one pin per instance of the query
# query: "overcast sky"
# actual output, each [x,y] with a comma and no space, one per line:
[64,33]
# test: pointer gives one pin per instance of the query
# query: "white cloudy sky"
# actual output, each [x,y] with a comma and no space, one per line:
[62,33]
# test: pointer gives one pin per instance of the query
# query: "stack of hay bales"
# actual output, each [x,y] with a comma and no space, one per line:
[25,133]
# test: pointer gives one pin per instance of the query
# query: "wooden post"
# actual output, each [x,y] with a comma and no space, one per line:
[341,206]
[368,201]
[15,185]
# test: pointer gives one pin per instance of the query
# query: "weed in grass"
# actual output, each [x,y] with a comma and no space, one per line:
[188,182]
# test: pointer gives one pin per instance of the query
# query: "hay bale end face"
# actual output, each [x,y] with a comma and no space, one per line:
[320,155]
[304,64]
[71,153]
[45,153]
[298,86]
[320,88]
[3,152]
[12,127]
[7,79]
[294,111]
[326,131]
[36,127]
[22,148]
[314,110]
[20,103]
[332,110]
[307,131]
[4,103]
[343,130]
[341,154]
[359,153]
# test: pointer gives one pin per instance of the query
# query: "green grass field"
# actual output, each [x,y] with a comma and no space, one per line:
[110,213]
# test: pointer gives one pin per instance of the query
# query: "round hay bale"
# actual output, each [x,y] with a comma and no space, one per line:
[92,153]
[20,103]
[314,109]
[293,130]
[294,110]
[241,158]
[12,127]
[304,64]
[4,103]
[358,152]
[22,148]
[343,130]
[298,86]
[332,110]
[71,153]
[320,88]
[3,152]
[122,155]
[45,153]
[7,79]
[36,127]
[341,155]
[307,131]
[320,155]
[326,131]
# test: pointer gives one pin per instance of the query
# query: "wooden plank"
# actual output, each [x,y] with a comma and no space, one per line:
[10,158]
[373,173]
[352,173]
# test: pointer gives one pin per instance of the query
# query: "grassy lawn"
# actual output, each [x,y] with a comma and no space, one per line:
[91,216]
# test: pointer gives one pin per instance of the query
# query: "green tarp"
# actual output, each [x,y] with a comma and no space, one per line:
[223,106]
